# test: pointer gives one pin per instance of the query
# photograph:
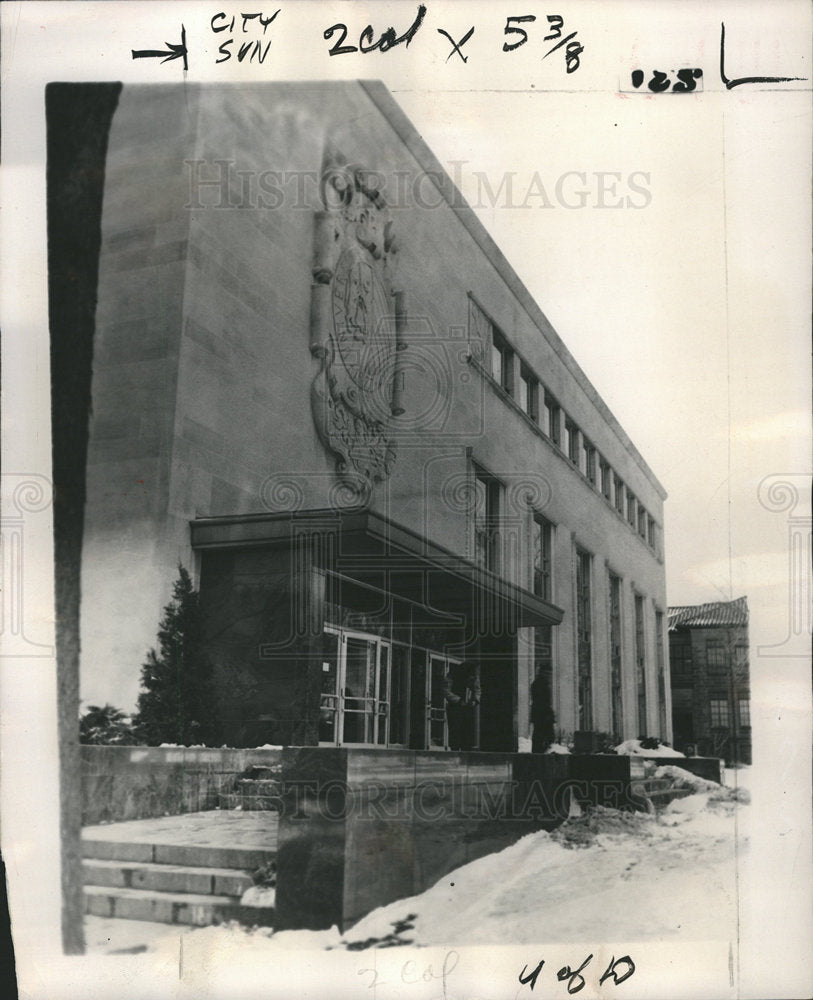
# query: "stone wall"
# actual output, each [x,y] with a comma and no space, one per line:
[361,828]
[123,783]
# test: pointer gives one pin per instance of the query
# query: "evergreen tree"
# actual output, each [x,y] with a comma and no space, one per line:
[176,704]
[105,726]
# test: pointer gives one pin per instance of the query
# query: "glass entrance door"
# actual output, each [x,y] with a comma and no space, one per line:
[355,689]
[437,727]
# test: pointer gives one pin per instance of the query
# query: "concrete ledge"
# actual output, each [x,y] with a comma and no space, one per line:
[166,878]
[124,783]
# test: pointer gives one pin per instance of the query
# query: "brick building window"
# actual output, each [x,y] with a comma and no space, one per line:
[718,713]
[744,706]
[716,656]
[680,658]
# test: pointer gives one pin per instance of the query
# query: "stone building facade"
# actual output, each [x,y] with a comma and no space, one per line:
[711,685]
[319,385]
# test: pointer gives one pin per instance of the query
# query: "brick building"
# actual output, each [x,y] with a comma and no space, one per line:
[318,384]
[708,654]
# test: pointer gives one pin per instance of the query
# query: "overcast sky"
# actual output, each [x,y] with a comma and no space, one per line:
[686,313]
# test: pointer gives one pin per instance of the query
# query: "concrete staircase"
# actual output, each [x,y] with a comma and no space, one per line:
[188,884]
[257,788]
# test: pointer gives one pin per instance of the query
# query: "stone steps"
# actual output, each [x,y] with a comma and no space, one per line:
[166,878]
[196,855]
[249,794]
[192,909]
[172,883]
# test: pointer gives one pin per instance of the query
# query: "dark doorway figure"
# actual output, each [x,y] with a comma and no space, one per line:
[462,698]
[542,715]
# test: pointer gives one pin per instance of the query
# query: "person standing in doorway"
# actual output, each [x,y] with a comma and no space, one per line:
[453,704]
[542,715]
[462,695]
[470,699]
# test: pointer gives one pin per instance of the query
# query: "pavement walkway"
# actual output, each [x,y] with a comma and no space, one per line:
[213,828]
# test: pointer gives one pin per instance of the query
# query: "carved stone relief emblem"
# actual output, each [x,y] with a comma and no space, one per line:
[356,324]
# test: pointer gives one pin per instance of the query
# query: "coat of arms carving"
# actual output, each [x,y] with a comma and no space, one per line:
[356,325]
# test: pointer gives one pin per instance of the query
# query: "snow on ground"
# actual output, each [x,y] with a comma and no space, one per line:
[526,744]
[634,748]
[648,877]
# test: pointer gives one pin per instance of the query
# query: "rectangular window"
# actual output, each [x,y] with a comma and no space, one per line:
[716,656]
[486,520]
[552,419]
[680,656]
[606,477]
[741,661]
[502,361]
[615,655]
[744,705]
[651,532]
[571,441]
[718,713]
[584,629]
[640,665]
[528,393]
[543,558]
[589,461]
[479,333]
[619,495]
[632,508]
[661,662]
[496,363]
[642,521]
[490,347]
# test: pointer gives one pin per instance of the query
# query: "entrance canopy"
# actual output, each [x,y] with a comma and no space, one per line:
[370,548]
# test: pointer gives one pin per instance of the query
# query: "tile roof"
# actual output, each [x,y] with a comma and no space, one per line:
[717,613]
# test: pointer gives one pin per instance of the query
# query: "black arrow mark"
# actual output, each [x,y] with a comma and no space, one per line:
[171,52]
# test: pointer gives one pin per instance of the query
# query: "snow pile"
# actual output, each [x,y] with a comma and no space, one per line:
[259,895]
[649,877]
[633,748]
[680,778]
[524,745]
